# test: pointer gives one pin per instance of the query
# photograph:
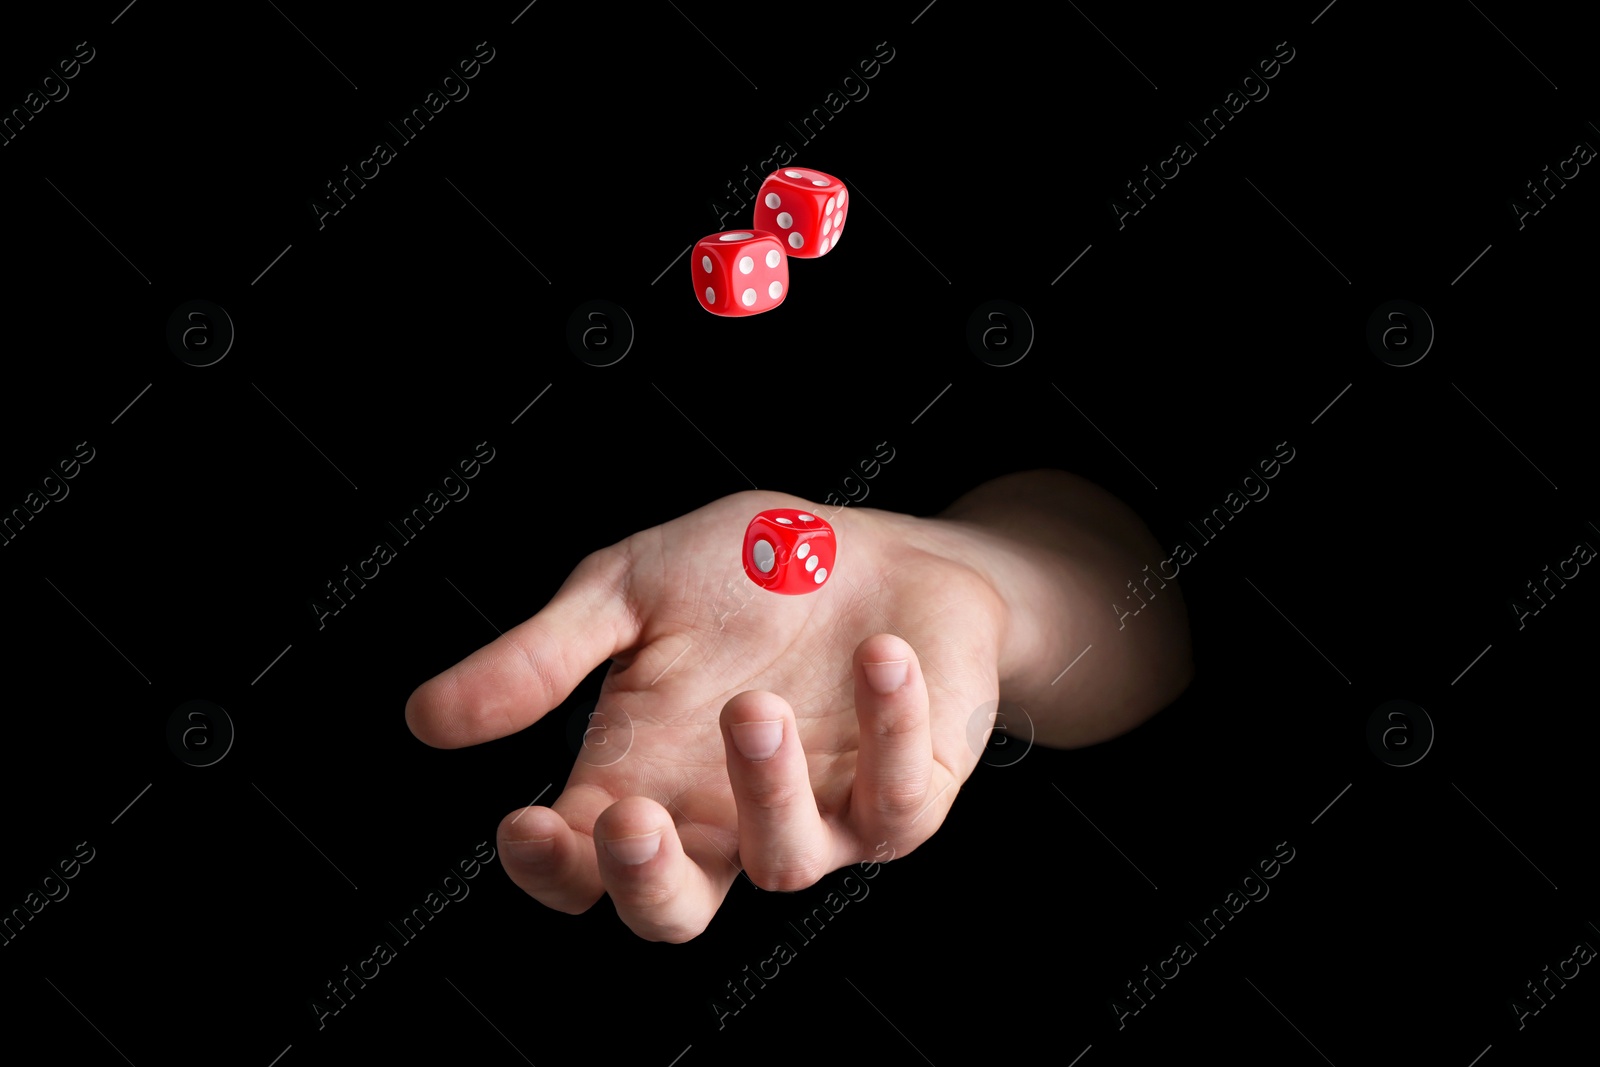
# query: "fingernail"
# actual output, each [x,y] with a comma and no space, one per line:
[635,850]
[758,740]
[886,677]
[531,850]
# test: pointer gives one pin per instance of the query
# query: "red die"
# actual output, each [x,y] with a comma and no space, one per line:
[788,551]
[740,273]
[804,207]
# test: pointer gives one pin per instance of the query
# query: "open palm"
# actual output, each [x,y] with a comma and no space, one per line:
[737,729]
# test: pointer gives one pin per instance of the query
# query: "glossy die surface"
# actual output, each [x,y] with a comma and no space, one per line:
[743,272]
[789,551]
[804,207]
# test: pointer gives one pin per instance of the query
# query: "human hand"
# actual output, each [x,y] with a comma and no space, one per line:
[781,736]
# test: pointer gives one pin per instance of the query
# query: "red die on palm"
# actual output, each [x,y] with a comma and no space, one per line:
[804,207]
[788,551]
[740,273]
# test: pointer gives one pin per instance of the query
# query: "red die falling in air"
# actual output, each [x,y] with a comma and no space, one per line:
[740,273]
[789,551]
[806,208]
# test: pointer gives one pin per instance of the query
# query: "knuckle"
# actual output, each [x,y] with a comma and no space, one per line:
[672,932]
[540,667]
[907,817]
[606,564]
[897,723]
[900,801]
[787,874]
[651,901]
[770,795]
[556,898]
[565,905]
[610,571]
[898,846]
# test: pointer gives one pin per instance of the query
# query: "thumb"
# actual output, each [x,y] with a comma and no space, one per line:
[515,680]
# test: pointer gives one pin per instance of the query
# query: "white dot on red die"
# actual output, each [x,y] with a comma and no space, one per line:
[787,522]
[829,209]
[827,224]
[711,296]
[705,261]
[749,297]
[736,237]
[806,518]
[785,220]
[833,240]
[792,173]
[822,575]
[838,220]
[818,181]
[772,200]
[763,556]
[811,564]
[796,240]
[842,194]
[746,265]
[775,290]
[803,551]
[774,257]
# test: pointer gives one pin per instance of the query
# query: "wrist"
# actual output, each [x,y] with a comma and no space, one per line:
[1059,552]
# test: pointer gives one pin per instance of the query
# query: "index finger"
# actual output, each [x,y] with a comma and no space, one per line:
[513,681]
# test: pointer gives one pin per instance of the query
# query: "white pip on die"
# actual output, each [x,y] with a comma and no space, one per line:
[803,207]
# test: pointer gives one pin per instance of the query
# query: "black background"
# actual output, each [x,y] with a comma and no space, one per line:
[410,327]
